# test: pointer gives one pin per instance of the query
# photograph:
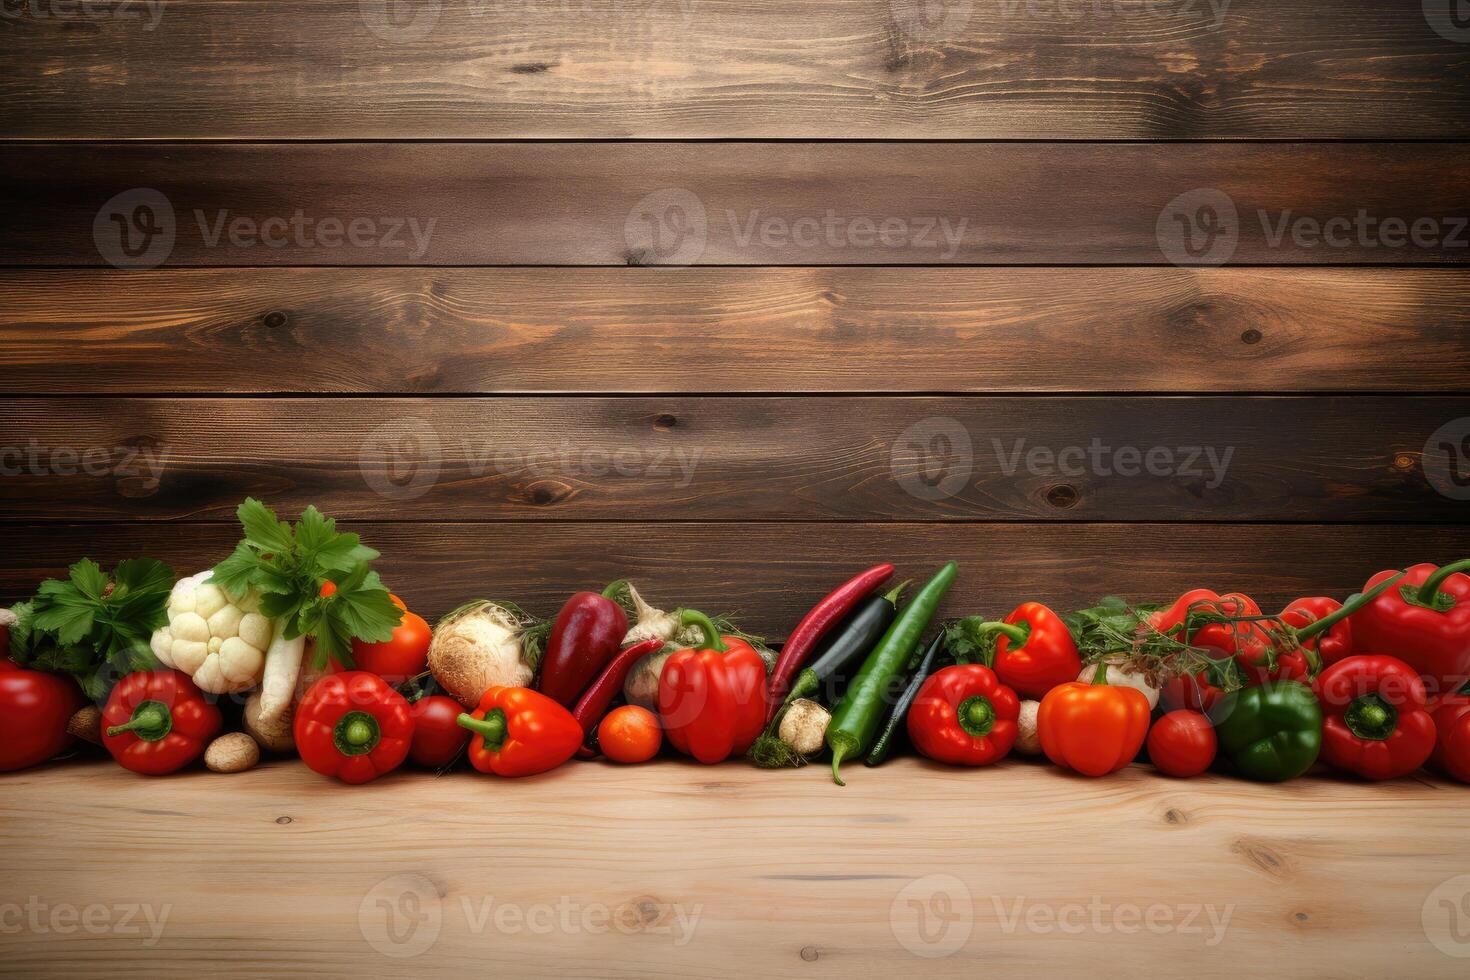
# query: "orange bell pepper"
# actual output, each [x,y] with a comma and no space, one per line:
[519,732]
[1092,728]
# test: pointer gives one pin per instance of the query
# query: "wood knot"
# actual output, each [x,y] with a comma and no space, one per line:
[283,820]
[1262,857]
[809,953]
[1251,336]
[1175,816]
[532,67]
[664,422]
[1063,496]
[275,319]
[546,492]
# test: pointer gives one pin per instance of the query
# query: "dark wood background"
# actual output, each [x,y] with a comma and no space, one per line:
[523,407]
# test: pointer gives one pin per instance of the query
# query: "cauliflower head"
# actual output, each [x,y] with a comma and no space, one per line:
[218,641]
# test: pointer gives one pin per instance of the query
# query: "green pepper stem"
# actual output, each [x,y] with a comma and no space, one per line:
[615,589]
[701,622]
[1014,632]
[491,728]
[151,721]
[1348,608]
[1100,676]
[838,752]
[976,715]
[1431,585]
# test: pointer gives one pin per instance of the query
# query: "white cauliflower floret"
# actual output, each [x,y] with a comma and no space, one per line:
[220,643]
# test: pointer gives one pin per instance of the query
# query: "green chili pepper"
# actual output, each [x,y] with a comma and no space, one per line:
[1272,732]
[857,718]
[878,754]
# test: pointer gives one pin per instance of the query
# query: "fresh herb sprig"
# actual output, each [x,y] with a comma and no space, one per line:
[288,567]
[93,627]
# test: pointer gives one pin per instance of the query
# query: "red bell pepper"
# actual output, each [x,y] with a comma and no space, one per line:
[1374,718]
[157,723]
[964,716]
[1424,621]
[814,625]
[34,709]
[712,698]
[585,636]
[520,732]
[353,726]
[1451,755]
[1335,644]
[1034,651]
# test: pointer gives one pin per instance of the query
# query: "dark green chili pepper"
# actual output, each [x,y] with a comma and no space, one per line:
[856,719]
[884,745]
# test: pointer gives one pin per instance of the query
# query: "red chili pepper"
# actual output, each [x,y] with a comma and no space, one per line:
[1034,652]
[1451,755]
[156,723]
[1374,718]
[586,635]
[353,726]
[594,702]
[1424,621]
[520,732]
[712,698]
[814,625]
[34,709]
[964,716]
[1335,644]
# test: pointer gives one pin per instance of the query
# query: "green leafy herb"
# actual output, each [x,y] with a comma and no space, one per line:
[288,567]
[93,627]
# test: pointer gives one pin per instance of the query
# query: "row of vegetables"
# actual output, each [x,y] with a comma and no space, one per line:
[292,644]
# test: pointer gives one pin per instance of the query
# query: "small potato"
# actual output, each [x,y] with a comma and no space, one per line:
[1028,740]
[234,752]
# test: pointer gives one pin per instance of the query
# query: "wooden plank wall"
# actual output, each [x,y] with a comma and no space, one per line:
[737,296]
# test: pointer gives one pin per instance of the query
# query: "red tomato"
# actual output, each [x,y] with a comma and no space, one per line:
[34,710]
[630,734]
[1182,743]
[437,736]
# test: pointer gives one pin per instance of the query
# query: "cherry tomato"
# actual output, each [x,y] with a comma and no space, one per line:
[1182,743]
[630,734]
[437,736]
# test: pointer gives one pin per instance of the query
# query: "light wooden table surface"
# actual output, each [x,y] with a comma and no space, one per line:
[673,869]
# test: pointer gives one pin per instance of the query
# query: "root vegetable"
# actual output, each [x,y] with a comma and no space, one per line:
[86,724]
[235,752]
[274,735]
[653,623]
[1028,741]
[805,726]
[1119,675]
[480,646]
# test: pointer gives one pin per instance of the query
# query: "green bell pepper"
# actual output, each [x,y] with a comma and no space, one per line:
[1272,732]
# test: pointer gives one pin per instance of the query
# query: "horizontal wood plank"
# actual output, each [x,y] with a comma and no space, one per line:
[711,458]
[1207,877]
[1016,69]
[406,204]
[406,331]
[770,574]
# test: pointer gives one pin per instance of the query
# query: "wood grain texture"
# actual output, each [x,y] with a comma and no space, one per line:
[770,574]
[264,873]
[406,331]
[710,458]
[702,203]
[1019,69]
